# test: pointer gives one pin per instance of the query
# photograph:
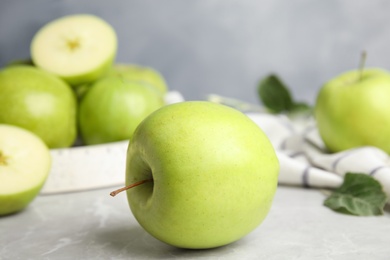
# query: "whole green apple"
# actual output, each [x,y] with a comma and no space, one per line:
[129,72]
[113,107]
[144,74]
[79,48]
[353,110]
[24,166]
[40,102]
[211,174]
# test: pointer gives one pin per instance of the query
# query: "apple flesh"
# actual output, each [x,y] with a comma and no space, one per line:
[40,102]
[78,48]
[24,166]
[353,109]
[113,107]
[212,174]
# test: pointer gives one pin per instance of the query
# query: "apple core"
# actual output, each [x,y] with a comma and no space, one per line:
[3,159]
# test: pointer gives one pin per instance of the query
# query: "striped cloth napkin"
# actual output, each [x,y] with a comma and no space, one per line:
[304,160]
[302,155]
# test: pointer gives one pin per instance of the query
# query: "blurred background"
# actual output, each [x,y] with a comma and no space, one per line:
[223,47]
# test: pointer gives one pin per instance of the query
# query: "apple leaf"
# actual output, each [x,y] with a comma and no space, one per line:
[360,195]
[300,106]
[276,96]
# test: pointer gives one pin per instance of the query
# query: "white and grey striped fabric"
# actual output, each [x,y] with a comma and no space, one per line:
[305,162]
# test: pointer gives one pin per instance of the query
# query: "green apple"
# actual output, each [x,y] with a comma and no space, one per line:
[353,110]
[78,48]
[211,174]
[132,72]
[25,163]
[113,107]
[40,102]
[140,73]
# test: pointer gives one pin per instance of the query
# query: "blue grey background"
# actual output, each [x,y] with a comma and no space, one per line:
[223,47]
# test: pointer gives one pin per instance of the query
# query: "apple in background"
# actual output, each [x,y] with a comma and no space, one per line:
[113,107]
[211,174]
[130,72]
[353,110]
[24,166]
[144,74]
[40,102]
[78,48]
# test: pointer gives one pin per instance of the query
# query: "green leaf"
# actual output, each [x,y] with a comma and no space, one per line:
[359,195]
[276,97]
[300,107]
[274,94]
[300,111]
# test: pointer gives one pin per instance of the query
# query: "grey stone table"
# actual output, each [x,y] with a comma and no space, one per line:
[93,225]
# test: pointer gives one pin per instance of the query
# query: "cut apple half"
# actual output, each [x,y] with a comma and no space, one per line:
[25,163]
[78,48]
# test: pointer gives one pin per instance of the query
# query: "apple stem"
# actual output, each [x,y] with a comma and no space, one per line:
[362,64]
[115,192]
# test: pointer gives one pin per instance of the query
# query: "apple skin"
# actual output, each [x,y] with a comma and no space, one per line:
[130,72]
[144,74]
[40,102]
[214,174]
[353,111]
[25,163]
[113,107]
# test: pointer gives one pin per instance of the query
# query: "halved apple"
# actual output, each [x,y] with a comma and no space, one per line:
[25,162]
[78,48]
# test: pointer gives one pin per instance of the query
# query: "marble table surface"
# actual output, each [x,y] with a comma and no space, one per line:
[93,225]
